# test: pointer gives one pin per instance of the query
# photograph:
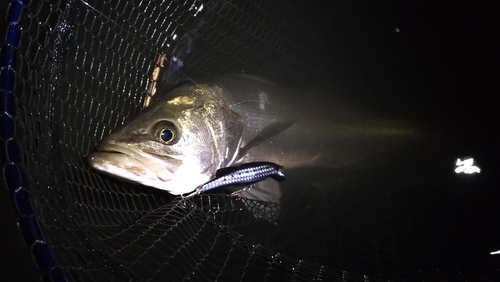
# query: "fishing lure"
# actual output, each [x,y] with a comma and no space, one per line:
[243,174]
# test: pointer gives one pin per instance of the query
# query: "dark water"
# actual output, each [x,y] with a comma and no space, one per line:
[434,64]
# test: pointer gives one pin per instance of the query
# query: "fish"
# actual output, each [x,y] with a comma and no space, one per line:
[186,135]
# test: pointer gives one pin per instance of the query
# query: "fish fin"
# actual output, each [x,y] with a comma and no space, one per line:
[267,190]
[263,210]
[267,132]
[262,199]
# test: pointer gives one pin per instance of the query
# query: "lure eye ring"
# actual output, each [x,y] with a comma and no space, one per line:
[166,132]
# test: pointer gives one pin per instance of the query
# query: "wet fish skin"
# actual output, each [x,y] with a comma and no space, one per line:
[233,119]
[205,131]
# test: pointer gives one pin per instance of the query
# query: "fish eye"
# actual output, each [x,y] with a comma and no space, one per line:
[166,132]
[167,135]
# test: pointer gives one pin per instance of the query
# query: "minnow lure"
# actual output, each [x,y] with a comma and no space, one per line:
[243,174]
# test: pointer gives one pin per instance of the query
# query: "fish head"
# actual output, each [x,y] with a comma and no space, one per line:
[176,144]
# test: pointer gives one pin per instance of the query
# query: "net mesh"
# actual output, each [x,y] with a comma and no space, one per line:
[83,67]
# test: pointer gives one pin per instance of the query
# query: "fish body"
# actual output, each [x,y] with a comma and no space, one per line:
[181,140]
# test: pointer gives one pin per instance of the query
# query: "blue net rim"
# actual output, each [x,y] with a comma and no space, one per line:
[13,171]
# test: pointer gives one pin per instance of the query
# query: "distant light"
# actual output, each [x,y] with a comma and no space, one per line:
[466,166]
[397,30]
[174,36]
[495,253]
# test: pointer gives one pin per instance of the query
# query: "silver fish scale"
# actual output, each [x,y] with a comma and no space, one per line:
[244,176]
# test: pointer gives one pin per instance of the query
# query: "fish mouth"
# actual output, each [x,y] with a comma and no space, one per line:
[127,164]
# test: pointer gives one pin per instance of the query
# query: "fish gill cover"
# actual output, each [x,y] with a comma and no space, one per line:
[74,70]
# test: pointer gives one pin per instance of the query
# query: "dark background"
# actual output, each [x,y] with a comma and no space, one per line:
[433,63]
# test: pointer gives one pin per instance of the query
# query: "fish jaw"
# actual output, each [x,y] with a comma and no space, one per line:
[124,167]
[126,164]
